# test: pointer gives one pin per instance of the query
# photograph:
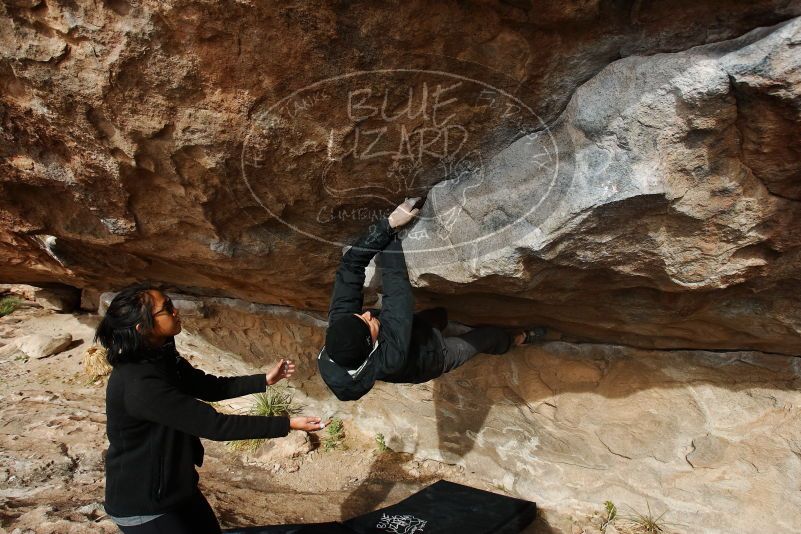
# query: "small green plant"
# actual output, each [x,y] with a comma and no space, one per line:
[275,402]
[647,523]
[381,443]
[609,516]
[334,435]
[8,305]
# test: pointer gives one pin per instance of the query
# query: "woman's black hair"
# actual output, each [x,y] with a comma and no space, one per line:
[117,331]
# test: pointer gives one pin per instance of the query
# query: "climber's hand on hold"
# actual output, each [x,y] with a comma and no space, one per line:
[404,213]
[309,424]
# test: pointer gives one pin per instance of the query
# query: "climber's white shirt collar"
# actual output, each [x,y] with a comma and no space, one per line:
[356,372]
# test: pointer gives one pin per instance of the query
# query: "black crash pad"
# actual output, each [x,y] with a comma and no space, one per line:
[446,508]
[442,508]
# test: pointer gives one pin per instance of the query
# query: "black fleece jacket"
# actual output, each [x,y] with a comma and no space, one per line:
[154,420]
[408,351]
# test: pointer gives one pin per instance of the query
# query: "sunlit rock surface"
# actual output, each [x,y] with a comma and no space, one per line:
[626,173]
[711,438]
[672,218]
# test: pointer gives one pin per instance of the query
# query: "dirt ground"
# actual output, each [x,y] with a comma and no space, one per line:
[52,442]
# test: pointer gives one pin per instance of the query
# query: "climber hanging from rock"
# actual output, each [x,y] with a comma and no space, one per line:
[394,344]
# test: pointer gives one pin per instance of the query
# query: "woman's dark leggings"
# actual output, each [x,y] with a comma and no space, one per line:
[195,517]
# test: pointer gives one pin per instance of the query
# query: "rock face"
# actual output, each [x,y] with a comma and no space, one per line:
[711,439]
[62,299]
[624,172]
[662,225]
[628,173]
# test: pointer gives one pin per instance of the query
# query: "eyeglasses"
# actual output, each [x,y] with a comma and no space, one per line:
[168,307]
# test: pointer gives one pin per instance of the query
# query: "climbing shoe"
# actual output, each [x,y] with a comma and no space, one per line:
[537,333]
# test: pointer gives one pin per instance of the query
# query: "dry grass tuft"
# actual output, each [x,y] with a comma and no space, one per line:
[276,401]
[95,365]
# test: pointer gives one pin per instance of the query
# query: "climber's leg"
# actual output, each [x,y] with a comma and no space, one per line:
[436,317]
[485,339]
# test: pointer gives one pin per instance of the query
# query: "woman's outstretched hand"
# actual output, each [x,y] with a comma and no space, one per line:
[283,369]
[309,424]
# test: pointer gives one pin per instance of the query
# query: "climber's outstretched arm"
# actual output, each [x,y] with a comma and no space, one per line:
[347,297]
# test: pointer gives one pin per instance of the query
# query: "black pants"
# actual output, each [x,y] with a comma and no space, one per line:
[459,349]
[195,517]
[483,340]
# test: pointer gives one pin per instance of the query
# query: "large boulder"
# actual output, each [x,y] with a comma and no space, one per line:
[39,345]
[671,218]
[232,150]
[712,439]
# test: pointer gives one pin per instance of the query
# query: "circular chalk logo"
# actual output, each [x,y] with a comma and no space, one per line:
[340,154]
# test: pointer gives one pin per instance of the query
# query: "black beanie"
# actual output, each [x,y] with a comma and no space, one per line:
[348,342]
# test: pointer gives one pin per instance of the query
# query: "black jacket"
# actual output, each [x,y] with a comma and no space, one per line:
[408,351]
[154,421]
